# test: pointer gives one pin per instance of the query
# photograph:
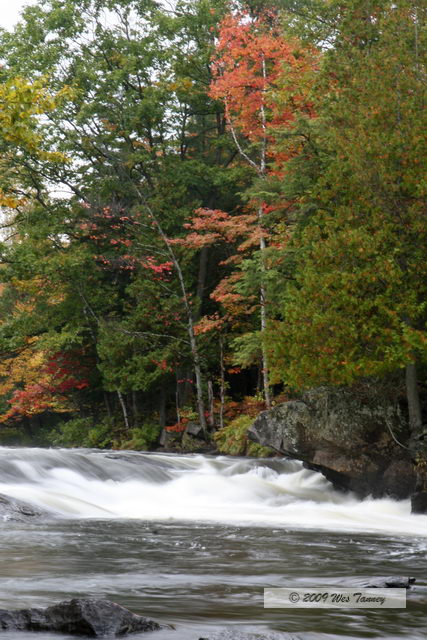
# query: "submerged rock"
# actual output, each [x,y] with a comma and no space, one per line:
[234,634]
[81,617]
[18,510]
[390,582]
[350,437]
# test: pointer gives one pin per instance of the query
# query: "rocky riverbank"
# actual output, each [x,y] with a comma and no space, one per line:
[358,441]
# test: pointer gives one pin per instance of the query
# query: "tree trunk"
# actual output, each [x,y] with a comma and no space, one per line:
[201,280]
[413,397]
[261,170]
[222,383]
[263,312]
[124,410]
[162,408]
[178,414]
[107,405]
[262,247]
[211,419]
[135,408]
[198,373]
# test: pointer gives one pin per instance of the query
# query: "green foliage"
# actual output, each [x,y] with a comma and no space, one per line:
[13,435]
[142,438]
[81,432]
[189,444]
[138,125]
[233,440]
[355,305]
[321,246]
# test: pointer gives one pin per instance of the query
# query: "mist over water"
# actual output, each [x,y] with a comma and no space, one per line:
[162,487]
[192,541]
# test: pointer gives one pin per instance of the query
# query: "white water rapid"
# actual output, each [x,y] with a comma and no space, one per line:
[162,487]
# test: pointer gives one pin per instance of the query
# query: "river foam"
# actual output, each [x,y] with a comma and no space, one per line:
[162,487]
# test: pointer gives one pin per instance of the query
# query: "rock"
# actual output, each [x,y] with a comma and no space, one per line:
[348,436]
[193,429]
[391,582]
[18,510]
[419,502]
[81,617]
[170,440]
[234,634]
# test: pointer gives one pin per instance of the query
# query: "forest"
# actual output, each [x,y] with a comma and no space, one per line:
[206,208]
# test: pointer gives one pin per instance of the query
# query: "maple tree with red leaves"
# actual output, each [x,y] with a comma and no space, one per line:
[252,61]
[252,56]
[62,374]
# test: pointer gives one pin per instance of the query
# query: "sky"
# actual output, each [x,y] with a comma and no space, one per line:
[9,11]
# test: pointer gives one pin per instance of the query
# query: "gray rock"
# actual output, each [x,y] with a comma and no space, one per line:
[80,617]
[393,582]
[193,429]
[348,436]
[390,582]
[18,510]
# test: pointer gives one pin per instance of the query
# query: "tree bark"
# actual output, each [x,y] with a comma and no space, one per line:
[162,408]
[413,397]
[262,247]
[261,170]
[263,313]
[107,404]
[124,410]
[201,280]
[135,408]
[211,418]
[222,382]
[178,414]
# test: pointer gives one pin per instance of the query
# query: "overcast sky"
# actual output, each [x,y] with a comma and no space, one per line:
[9,11]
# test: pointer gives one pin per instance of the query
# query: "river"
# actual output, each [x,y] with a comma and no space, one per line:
[193,540]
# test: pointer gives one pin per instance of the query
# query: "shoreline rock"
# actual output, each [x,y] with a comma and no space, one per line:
[349,437]
[80,617]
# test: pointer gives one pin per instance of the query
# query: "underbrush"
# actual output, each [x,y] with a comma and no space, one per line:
[233,440]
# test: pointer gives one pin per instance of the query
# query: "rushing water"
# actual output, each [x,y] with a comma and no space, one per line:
[193,541]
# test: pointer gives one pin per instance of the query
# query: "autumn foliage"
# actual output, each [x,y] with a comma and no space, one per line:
[252,59]
[228,204]
[49,386]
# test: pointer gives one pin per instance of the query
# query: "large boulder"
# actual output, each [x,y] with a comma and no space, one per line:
[80,617]
[354,438]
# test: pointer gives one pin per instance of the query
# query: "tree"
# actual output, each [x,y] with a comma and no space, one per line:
[252,57]
[21,104]
[357,306]
[145,143]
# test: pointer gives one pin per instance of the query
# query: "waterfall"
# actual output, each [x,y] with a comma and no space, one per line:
[81,483]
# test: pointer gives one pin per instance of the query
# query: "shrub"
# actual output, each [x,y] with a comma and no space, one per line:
[233,439]
[142,438]
[71,433]
[81,432]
